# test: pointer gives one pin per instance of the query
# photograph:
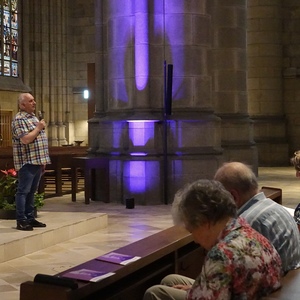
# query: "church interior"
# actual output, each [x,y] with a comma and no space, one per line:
[141,97]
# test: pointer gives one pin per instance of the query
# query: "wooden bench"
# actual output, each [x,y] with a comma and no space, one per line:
[290,289]
[168,251]
[273,193]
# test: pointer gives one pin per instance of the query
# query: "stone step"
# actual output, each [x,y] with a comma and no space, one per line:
[61,226]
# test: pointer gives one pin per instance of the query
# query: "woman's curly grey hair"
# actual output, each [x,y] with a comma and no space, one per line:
[201,201]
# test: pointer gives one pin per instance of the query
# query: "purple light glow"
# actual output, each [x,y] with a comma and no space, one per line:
[140,176]
[158,16]
[141,44]
[117,133]
[137,177]
[169,25]
[138,154]
[141,132]
[120,38]
[142,121]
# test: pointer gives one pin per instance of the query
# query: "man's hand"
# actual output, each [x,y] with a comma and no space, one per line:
[41,125]
[182,287]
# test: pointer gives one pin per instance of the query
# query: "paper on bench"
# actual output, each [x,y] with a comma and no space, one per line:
[290,210]
[118,258]
[88,275]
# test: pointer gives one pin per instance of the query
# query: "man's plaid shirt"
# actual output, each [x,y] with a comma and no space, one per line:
[36,152]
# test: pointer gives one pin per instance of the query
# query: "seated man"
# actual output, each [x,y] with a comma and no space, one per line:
[240,263]
[266,216]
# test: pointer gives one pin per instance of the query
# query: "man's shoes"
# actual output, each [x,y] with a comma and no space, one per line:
[35,223]
[28,225]
[23,225]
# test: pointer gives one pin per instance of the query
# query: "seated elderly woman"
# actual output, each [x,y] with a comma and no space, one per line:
[240,263]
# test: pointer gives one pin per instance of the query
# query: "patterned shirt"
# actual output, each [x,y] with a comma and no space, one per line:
[36,152]
[274,222]
[242,265]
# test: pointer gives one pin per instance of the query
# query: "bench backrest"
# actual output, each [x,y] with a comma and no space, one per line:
[273,193]
[168,251]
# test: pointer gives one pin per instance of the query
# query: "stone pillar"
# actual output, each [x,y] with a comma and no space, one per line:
[101,67]
[44,59]
[205,41]
[291,72]
[229,70]
[265,84]
[194,139]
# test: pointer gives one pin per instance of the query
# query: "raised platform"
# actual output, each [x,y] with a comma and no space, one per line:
[61,226]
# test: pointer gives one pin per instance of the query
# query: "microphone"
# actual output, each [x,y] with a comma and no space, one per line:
[40,115]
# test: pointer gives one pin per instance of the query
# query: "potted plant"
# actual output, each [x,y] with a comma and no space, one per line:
[8,188]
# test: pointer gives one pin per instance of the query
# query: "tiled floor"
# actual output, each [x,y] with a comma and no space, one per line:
[124,226]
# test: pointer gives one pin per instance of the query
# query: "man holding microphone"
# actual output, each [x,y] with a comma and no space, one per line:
[31,154]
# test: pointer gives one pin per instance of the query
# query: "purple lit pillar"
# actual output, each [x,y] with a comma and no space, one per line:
[141,44]
[141,53]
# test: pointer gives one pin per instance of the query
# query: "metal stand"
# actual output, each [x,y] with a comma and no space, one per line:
[167,111]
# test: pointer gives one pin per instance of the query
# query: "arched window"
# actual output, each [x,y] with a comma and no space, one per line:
[9,38]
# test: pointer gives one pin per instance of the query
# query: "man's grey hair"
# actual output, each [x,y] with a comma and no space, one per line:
[22,97]
[237,176]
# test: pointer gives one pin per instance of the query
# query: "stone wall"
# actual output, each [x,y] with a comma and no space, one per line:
[291,72]
[265,82]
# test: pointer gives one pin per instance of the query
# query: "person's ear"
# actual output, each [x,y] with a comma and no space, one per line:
[207,225]
[236,197]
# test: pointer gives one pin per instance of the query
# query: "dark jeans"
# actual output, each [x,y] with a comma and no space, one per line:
[28,181]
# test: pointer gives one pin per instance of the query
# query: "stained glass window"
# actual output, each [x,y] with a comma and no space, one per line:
[9,38]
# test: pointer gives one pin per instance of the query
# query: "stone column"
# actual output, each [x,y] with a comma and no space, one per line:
[194,143]
[265,84]
[229,70]
[291,72]
[44,62]
[205,41]
[101,66]
[142,35]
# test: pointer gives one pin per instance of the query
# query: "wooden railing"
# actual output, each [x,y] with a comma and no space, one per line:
[58,174]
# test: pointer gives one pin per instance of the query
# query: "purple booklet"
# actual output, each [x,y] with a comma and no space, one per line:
[118,258]
[88,275]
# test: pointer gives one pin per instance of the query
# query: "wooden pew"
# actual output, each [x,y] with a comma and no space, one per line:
[6,158]
[61,158]
[290,289]
[273,193]
[168,251]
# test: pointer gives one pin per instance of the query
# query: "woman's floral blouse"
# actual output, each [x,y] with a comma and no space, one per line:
[242,265]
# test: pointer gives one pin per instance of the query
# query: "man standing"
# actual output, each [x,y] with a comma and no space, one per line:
[31,154]
[266,216]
